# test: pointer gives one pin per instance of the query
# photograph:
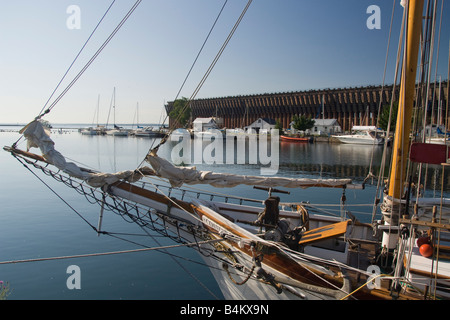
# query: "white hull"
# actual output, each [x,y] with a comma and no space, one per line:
[357,140]
[364,138]
[252,287]
[117,133]
[147,134]
[89,132]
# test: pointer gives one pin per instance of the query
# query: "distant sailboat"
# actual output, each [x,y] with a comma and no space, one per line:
[93,131]
[116,131]
[147,131]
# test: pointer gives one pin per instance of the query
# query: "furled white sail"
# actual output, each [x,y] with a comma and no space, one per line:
[189,175]
[38,137]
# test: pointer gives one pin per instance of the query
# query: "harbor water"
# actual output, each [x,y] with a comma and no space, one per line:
[41,218]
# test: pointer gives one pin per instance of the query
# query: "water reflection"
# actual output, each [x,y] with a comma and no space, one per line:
[320,159]
[331,159]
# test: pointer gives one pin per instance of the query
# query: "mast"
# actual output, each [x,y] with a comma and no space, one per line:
[407,88]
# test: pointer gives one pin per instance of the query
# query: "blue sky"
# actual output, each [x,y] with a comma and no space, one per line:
[281,45]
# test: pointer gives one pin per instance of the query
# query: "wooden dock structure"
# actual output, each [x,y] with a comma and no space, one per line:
[350,106]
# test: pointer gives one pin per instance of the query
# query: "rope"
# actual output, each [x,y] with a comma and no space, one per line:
[107,253]
[82,48]
[136,4]
[365,284]
[208,72]
[198,54]
[50,188]
[383,160]
[70,67]
[192,66]
[382,86]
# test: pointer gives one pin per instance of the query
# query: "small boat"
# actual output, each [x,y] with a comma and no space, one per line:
[94,131]
[146,132]
[89,131]
[117,131]
[362,135]
[436,134]
[295,139]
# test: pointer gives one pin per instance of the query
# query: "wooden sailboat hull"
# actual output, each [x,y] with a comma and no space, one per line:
[310,280]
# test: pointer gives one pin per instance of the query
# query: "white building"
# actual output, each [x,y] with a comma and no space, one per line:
[261,123]
[204,124]
[323,127]
[326,126]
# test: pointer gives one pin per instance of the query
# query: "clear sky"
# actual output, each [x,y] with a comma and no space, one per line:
[280,46]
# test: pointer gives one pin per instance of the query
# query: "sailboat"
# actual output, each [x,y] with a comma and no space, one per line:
[116,131]
[266,249]
[97,130]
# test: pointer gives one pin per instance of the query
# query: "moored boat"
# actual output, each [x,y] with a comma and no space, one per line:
[362,135]
[295,139]
[146,132]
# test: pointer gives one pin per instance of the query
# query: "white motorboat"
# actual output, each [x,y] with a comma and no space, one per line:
[362,135]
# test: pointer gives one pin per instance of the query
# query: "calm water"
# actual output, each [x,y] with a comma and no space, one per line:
[35,223]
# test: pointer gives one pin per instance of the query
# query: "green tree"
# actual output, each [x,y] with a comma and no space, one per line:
[384,116]
[279,126]
[302,123]
[180,112]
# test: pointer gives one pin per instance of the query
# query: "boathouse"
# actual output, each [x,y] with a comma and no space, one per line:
[204,124]
[326,127]
[260,124]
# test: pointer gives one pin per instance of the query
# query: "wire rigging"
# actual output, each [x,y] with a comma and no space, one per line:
[201,49]
[208,72]
[121,23]
[76,57]
[195,61]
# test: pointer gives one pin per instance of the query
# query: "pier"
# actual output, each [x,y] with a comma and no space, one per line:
[350,106]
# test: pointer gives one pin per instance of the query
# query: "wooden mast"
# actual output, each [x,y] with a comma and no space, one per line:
[407,88]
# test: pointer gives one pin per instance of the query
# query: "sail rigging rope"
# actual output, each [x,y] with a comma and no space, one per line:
[40,114]
[76,57]
[110,252]
[379,190]
[86,66]
[382,86]
[206,75]
[199,52]
[192,66]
